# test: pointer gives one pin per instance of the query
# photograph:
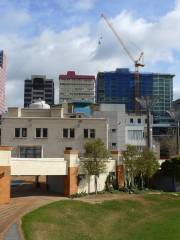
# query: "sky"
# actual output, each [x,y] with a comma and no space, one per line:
[50,37]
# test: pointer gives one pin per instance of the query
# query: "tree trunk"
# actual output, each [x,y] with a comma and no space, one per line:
[89,180]
[142,181]
[37,181]
[95,183]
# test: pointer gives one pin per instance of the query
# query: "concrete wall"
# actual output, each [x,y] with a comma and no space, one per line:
[87,183]
[119,121]
[38,166]
[54,145]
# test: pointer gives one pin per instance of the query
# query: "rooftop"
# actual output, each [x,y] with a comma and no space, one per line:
[72,75]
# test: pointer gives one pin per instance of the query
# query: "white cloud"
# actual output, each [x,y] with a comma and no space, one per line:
[52,53]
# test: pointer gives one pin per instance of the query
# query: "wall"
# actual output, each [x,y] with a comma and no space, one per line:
[116,118]
[120,121]
[87,184]
[54,145]
[38,166]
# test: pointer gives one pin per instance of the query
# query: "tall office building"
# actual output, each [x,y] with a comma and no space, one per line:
[119,87]
[38,87]
[76,88]
[2,81]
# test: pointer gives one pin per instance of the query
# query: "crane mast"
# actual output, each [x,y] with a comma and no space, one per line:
[137,63]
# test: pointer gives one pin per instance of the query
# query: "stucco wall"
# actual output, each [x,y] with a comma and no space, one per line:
[87,183]
[54,145]
[38,166]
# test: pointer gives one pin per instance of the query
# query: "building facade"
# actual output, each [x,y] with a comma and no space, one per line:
[2,81]
[123,128]
[38,87]
[40,131]
[119,87]
[76,88]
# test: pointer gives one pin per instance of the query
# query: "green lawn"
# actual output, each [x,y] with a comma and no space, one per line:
[153,217]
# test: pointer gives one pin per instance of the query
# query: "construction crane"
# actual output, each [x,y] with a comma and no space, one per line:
[137,63]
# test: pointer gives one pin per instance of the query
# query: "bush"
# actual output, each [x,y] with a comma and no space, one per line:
[77,195]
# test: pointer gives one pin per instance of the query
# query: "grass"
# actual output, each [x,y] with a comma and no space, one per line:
[149,217]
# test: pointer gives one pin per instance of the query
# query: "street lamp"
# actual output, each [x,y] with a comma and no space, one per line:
[147,102]
[174,115]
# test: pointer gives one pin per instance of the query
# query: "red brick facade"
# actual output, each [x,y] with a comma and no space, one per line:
[120,176]
[70,181]
[4,184]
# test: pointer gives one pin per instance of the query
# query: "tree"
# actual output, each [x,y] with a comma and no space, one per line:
[94,159]
[146,165]
[168,146]
[138,163]
[171,167]
[130,157]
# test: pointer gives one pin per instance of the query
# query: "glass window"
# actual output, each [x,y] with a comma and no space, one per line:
[135,134]
[131,120]
[92,133]
[38,132]
[30,152]
[17,132]
[85,133]
[45,132]
[113,130]
[24,132]
[139,120]
[72,133]
[65,132]
[114,144]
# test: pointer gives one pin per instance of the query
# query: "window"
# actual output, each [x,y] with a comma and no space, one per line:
[113,130]
[41,132]
[131,120]
[68,133]
[92,133]
[38,132]
[135,134]
[30,152]
[45,132]
[17,132]
[65,132]
[20,132]
[85,133]
[71,132]
[114,144]
[139,120]
[24,132]
[89,133]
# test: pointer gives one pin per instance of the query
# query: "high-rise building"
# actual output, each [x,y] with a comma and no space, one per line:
[76,88]
[38,87]
[2,81]
[119,87]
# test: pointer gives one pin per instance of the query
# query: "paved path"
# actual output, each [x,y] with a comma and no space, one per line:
[11,213]
[13,233]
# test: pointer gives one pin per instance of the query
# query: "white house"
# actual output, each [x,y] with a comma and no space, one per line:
[41,131]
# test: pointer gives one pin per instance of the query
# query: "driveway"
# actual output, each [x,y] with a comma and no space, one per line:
[12,213]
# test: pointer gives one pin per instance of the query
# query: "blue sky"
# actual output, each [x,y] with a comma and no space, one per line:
[54,36]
